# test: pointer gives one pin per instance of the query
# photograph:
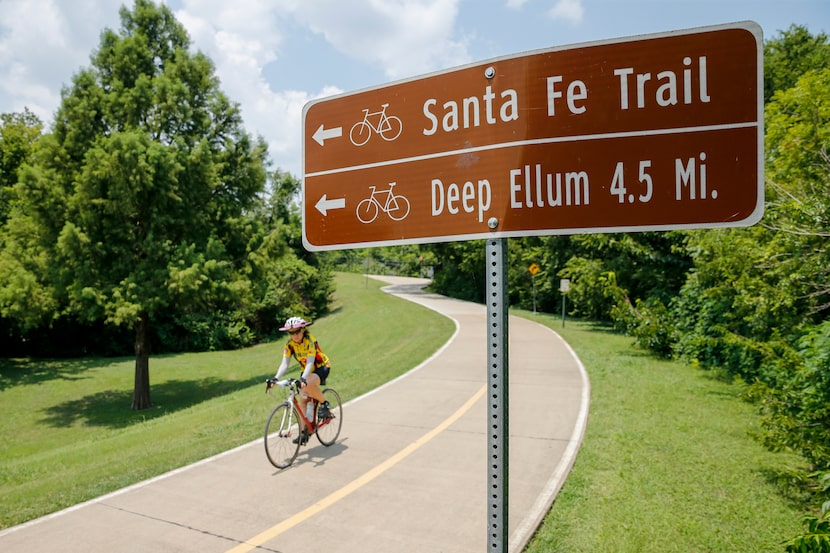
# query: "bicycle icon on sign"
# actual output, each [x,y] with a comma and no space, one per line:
[389,127]
[396,206]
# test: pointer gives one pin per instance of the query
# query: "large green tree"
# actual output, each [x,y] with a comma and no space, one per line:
[137,201]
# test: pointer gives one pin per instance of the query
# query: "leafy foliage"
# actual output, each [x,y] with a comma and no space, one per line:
[794,52]
[460,269]
[815,540]
[649,322]
[796,408]
[144,208]
[594,290]
[18,133]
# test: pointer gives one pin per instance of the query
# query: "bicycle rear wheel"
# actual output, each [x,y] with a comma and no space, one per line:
[367,211]
[280,432]
[361,133]
[328,429]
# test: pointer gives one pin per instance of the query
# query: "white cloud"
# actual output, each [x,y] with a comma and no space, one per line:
[42,45]
[404,37]
[242,38]
[569,10]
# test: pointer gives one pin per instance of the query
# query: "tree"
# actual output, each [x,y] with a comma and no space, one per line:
[139,196]
[798,169]
[284,279]
[790,55]
[460,269]
[25,296]
[18,133]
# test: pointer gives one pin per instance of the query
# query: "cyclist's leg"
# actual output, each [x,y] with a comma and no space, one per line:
[312,388]
[302,402]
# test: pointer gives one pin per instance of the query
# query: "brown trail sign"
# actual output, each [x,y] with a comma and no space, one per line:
[646,133]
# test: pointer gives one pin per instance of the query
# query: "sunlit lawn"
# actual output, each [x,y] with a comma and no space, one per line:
[668,464]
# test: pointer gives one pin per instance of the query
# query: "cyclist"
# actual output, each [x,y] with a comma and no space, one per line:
[316,366]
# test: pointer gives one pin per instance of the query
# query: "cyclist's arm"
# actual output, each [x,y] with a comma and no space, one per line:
[283,367]
[309,367]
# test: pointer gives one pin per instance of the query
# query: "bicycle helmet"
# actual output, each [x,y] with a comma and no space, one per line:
[293,323]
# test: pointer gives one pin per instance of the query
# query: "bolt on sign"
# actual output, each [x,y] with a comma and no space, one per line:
[652,132]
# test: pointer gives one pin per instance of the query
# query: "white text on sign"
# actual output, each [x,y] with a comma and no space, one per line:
[667,88]
[532,186]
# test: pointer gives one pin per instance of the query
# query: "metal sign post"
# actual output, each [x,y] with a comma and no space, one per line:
[498,423]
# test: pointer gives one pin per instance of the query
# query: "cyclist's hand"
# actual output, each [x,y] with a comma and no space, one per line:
[303,383]
[270,383]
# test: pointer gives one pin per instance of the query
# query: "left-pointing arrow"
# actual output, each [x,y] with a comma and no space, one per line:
[323,205]
[322,134]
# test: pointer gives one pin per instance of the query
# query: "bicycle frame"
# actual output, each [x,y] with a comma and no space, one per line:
[390,197]
[293,390]
[389,127]
[383,119]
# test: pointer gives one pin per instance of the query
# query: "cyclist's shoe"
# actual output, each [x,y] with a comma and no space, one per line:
[302,439]
[323,412]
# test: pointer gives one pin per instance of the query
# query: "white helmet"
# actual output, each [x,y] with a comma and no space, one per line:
[293,323]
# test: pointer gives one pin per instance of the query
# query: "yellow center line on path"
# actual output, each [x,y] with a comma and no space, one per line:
[356,484]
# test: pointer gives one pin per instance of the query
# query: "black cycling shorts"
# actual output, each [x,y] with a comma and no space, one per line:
[323,373]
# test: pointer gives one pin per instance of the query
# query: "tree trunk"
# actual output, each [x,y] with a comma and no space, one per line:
[141,391]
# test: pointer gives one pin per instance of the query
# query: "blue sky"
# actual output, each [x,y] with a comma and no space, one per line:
[273,56]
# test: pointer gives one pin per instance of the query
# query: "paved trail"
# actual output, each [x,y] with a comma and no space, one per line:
[407,474]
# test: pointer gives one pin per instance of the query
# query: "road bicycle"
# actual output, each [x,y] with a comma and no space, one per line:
[389,127]
[283,436]
[396,206]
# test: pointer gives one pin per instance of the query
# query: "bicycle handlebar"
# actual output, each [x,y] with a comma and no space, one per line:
[288,382]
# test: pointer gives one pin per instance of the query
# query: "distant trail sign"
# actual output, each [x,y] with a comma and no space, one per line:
[652,132]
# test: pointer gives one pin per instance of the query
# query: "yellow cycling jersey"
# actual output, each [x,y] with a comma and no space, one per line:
[305,349]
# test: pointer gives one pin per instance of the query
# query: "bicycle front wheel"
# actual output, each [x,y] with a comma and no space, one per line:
[392,129]
[280,432]
[328,428]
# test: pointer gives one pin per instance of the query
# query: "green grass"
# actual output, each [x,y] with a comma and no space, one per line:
[67,433]
[668,463]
